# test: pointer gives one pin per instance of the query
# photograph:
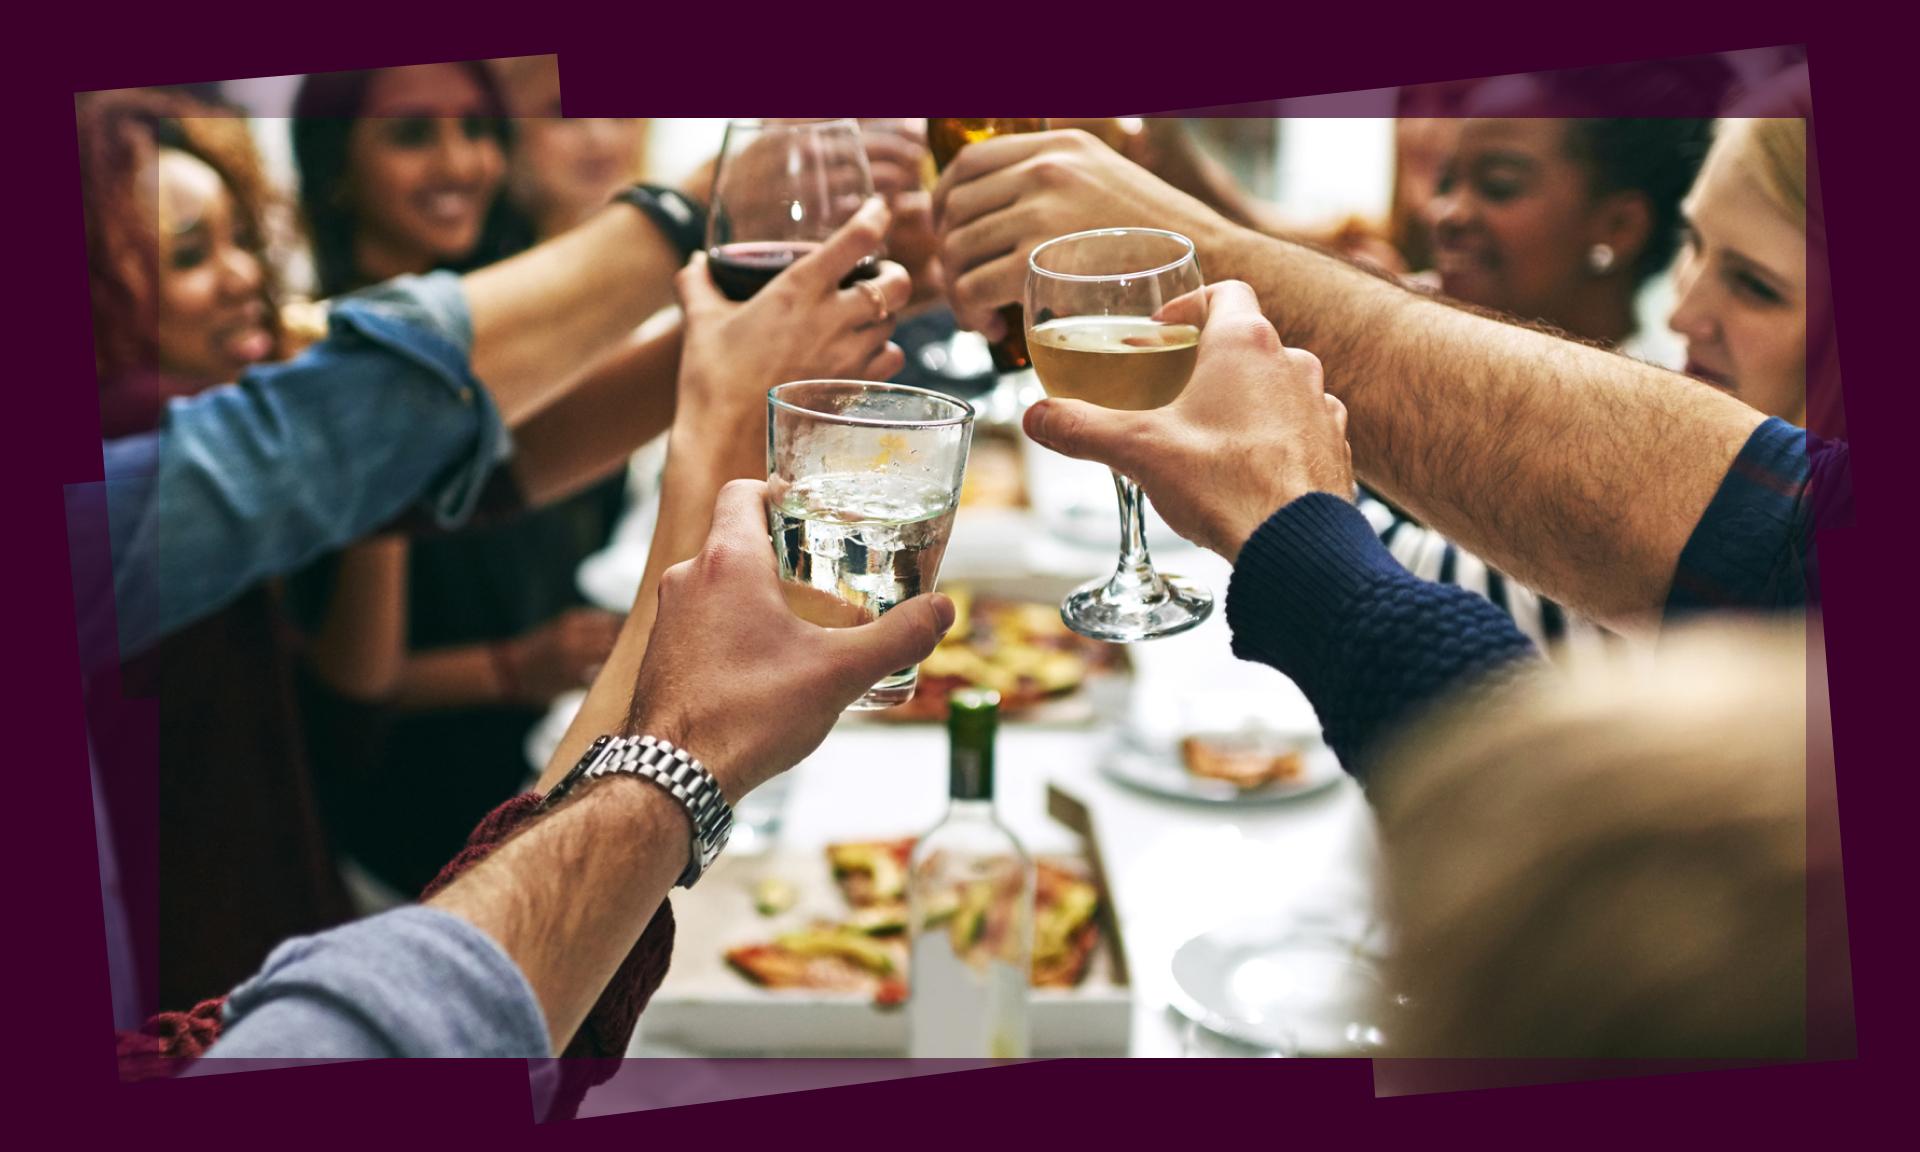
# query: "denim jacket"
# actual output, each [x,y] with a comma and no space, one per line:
[253,479]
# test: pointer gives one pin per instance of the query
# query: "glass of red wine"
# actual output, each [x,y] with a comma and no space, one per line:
[782,187]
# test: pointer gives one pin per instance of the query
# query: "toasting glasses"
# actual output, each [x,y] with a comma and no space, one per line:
[1094,301]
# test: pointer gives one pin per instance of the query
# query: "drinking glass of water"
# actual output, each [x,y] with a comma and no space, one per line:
[862,483]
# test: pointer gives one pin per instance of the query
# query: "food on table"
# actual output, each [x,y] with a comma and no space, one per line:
[871,872]
[1245,760]
[827,958]
[772,896]
[1065,933]
[866,952]
[1017,648]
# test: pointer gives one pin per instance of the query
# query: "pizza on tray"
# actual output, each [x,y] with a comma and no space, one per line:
[1018,648]
[867,951]
[1244,760]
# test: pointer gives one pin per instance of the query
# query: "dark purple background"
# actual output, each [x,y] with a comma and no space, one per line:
[937,57]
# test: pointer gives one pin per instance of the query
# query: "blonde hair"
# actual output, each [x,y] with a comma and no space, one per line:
[1611,863]
[1772,152]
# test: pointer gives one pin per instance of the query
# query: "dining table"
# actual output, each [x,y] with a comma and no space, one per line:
[1176,868]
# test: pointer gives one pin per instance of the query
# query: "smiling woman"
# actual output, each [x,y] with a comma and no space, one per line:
[1743,272]
[430,658]
[183,296]
[1563,220]
[401,171]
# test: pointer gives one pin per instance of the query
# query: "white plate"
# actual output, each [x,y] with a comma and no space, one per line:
[1278,987]
[1161,772]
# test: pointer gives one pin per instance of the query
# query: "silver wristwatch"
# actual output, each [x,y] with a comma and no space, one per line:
[685,778]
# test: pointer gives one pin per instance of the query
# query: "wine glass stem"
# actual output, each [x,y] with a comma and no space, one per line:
[1134,579]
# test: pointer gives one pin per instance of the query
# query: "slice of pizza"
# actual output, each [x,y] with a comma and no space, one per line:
[1065,931]
[826,958]
[871,872]
[1244,761]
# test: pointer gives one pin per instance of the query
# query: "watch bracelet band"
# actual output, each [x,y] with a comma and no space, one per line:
[679,218]
[672,769]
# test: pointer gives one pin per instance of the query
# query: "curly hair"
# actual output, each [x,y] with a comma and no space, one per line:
[1657,158]
[1647,144]
[121,132]
[324,113]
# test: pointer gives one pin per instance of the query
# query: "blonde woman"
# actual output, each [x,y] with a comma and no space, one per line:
[1742,307]
[1742,275]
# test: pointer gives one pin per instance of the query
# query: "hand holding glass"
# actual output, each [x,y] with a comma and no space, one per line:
[1095,302]
[780,189]
[862,482]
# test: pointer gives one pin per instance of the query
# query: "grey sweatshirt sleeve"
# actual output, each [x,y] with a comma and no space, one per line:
[411,982]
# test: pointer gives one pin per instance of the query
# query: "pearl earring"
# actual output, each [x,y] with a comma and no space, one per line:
[1600,259]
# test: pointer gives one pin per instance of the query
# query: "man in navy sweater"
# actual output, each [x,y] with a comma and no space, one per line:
[1253,462]
[1578,472]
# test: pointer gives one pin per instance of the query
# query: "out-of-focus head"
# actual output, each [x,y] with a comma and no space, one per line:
[400,169]
[1742,275]
[1612,862]
[561,171]
[1542,217]
[174,198]
[1421,146]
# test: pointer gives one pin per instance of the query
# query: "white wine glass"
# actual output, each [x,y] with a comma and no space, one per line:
[1094,309]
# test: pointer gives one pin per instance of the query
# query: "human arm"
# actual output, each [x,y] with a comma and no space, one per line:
[802,325]
[359,649]
[1270,487]
[507,959]
[1579,472]
[526,671]
[410,982]
[254,479]
[621,402]
[567,898]
[540,318]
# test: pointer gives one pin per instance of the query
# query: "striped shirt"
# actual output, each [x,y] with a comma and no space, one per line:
[1430,556]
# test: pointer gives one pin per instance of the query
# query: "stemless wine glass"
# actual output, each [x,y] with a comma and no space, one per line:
[862,482]
[780,188]
[1094,326]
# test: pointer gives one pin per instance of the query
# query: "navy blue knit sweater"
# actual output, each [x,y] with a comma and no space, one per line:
[1317,596]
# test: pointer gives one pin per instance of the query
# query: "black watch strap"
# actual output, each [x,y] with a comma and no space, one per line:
[680,219]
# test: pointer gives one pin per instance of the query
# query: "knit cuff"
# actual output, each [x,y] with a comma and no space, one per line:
[1297,574]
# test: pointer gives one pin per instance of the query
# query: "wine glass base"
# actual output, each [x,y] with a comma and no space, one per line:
[1092,611]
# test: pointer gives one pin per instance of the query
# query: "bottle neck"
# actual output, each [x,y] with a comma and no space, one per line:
[962,808]
[970,772]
